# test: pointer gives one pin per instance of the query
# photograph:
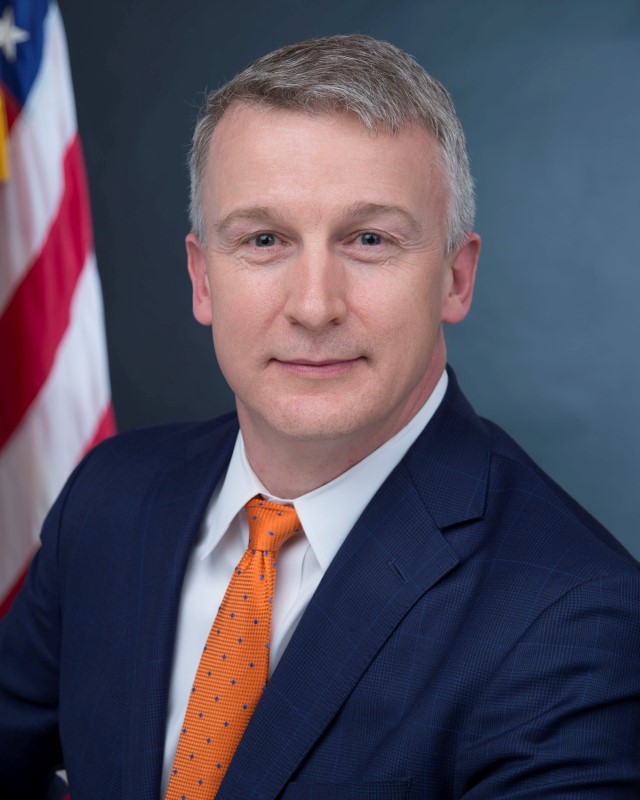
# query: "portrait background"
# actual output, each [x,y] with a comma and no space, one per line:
[548,95]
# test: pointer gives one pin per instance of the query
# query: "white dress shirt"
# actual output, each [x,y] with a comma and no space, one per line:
[327,515]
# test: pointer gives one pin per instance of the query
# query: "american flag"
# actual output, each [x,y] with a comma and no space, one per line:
[55,399]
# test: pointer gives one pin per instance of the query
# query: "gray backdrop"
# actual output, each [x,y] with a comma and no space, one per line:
[548,94]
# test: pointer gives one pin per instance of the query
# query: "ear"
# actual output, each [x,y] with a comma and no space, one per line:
[201,291]
[461,276]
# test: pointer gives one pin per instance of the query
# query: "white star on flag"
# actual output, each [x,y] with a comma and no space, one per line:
[10,35]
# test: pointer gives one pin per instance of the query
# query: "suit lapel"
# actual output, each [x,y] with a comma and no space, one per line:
[394,554]
[167,532]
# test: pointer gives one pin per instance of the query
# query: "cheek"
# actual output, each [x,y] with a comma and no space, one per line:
[405,313]
[242,332]
[233,307]
[409,331]
[236,345]
[232,335]
[242,298]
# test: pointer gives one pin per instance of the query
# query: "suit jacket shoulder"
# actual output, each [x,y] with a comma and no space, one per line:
[100,599]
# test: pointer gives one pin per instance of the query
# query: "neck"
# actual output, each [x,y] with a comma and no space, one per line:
[300,467]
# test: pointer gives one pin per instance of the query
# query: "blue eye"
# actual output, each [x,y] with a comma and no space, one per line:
[370,239]
[264,240]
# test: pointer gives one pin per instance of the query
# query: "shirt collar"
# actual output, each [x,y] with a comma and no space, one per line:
[329,512]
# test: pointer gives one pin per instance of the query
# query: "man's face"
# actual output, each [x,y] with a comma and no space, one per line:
[325,277]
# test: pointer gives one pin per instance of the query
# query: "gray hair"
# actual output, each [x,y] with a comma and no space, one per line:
[384,86]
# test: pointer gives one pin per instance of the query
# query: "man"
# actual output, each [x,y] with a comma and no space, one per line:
[447,623]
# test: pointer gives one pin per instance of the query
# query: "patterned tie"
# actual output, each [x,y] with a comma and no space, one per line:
[234,666]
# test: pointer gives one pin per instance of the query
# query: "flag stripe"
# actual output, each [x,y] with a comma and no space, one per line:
[11,595]
[38,314]
[11,105]
[46,446]
[105,428]
[39,139]
[4,135]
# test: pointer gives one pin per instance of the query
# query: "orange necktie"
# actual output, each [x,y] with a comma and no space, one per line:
[234,666]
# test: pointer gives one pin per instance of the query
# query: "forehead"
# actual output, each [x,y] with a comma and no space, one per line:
[265,155]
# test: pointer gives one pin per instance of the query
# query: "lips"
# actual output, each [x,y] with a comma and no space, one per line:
[327,367]
[308,362]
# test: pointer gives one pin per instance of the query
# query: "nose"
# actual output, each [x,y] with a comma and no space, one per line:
[316,290]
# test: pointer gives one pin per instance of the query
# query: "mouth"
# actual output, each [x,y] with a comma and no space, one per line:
[311,368]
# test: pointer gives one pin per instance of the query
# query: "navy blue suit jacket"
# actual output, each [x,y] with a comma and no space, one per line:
[476,636]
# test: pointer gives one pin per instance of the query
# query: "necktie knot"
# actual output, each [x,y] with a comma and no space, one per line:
[270,524]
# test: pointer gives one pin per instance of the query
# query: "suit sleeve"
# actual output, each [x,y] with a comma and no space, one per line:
[565,705]
[29,671]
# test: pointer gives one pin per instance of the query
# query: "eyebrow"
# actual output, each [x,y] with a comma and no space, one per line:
[360,210]
[252,213]
[357,210]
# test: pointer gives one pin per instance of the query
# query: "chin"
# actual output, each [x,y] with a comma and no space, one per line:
[314,428]
[308,421]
